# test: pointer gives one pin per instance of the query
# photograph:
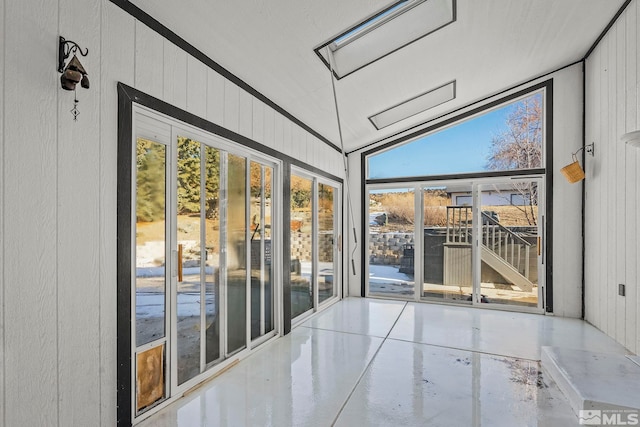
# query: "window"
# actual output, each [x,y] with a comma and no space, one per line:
[415,105]
[523,199]
[391,29]
[507,138]
[480,237]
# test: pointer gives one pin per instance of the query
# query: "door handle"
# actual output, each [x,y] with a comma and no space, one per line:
[539,246]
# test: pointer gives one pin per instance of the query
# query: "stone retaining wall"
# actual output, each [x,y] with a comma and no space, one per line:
[384,248]
[387,248]
[301,246]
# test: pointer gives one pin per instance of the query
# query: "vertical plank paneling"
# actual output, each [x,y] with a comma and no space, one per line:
[308,148]
[269,127]
[196,87]
[215,97]
[78,228]
[231,106]
[619,179]
[278,132]
[30,209]
[175,75]
[311,150]
[117,46]
[636,166]
[258,120]
[591,220]
[613,193]
[287,145]
[245,125]
[301,141]
[301,137]
[321,161]
[2,239]
[631,217]
[149,60]
[609,238]
[602,170]
[595,246]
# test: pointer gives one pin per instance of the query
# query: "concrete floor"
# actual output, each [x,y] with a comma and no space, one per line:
[369,362]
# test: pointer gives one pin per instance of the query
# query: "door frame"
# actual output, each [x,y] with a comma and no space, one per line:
[337,226]
[540,259]
[173,390]
[474,183]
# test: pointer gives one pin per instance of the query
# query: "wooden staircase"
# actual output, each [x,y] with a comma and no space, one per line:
[502,250]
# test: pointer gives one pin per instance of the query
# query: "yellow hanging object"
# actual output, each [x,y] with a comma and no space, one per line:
[573,171]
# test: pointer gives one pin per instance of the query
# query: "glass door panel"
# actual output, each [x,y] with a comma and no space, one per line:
[447,243]
[236,259]
[190,260]
[260,247]
[150,235]
[327,234]
[212,255]
[509,244]
[391,245]
[268,303]
[150,274]
[301,245]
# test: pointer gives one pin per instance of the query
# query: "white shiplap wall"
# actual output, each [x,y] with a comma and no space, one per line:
[58,195]
[2,155]
[613,182]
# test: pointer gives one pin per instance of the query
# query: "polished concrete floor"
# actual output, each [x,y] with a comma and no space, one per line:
[369,362]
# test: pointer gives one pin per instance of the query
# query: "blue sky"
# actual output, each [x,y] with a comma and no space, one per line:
[461,148]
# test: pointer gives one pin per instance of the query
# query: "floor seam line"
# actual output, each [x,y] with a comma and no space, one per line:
[345,332]
[366,369]
[466,349]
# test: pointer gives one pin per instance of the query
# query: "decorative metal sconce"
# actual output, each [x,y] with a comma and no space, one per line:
[573,171]
[73,73]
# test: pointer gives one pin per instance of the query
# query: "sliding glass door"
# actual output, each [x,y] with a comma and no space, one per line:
[315,236]
[261,221]
[481,242]
[206,251]
[510,250]
[391,242]
[447,242]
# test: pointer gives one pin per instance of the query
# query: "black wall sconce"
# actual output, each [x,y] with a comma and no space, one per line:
[73,73]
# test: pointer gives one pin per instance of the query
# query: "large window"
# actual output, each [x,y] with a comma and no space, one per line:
[457,214]
[507,138]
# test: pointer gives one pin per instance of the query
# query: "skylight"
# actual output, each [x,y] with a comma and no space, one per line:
[415,105]
[391,29]
[378,19]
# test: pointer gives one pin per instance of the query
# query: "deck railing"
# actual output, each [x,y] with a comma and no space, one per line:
[503,242]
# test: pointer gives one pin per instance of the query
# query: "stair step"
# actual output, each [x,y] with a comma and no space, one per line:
[505,269]
[594,381]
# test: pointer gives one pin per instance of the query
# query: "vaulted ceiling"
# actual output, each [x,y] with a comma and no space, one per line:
[492,45]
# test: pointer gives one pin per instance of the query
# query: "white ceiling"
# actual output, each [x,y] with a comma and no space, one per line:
[493,45]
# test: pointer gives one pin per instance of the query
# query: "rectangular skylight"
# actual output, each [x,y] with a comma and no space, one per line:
[396,26]
[415,105]
[370,24]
